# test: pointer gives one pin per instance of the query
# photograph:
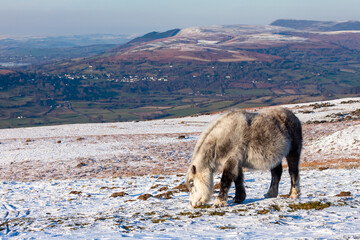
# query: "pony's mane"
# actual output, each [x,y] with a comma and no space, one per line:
[204,135]
[207,131]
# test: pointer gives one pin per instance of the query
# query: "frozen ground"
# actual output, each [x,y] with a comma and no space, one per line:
[331,137]
[58,182]
[70,209]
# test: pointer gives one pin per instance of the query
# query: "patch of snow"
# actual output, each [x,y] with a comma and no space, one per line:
[318,111]
[341,144]
[338,32]
[205,42]
[273,37]
[190,31]
[188,124]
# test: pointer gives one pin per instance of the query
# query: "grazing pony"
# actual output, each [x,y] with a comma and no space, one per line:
[242,139]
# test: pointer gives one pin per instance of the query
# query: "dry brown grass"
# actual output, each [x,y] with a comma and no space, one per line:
[340,163]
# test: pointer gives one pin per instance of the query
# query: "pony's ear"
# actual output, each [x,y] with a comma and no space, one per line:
[193,169]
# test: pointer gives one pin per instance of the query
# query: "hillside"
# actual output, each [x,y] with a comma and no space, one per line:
[231,43]
[126,179]
[153,36]
[156,141]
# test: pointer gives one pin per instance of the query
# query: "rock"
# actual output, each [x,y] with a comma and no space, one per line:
[81,165]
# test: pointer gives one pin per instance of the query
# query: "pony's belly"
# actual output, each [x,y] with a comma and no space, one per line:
[261,163]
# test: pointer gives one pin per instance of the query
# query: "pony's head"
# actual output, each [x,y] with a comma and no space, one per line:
[200,184]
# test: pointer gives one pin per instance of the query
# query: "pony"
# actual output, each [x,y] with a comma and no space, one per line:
[242,139]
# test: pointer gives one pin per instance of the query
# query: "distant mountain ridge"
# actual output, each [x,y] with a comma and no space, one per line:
[231,43]
[155,35]
[310,25]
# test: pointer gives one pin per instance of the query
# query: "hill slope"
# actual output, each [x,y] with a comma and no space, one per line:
[328,128]
[127,180]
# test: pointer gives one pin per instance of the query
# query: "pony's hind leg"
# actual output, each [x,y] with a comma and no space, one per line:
[293,161]
[275,180]
[228,176]
[240,193]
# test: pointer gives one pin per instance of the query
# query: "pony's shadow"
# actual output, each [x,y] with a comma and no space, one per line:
[247,201]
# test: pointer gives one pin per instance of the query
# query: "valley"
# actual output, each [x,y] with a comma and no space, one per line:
[187,71]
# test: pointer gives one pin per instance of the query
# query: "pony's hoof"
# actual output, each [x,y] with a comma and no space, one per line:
[219,203]
[197,204]
[294,193]
[268,195]
[238,200]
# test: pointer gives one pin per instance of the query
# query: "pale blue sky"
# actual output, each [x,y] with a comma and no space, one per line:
[66,17]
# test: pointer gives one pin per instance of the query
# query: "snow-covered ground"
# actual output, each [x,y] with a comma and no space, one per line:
[68,209]
[58,182]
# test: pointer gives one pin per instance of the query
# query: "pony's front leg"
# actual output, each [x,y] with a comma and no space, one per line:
[228,176]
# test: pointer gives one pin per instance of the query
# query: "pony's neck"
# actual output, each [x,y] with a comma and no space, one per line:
[207,174]
[205,167]
[208,180]
[206,160]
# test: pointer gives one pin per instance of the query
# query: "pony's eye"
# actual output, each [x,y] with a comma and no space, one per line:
[191,183]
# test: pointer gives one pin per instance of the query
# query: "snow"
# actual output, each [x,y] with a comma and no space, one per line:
[192,124]
[273,38]
[318,111]
[338,32]
[350,141]
[205,42]
[69,209]
[57,181]
[252,34]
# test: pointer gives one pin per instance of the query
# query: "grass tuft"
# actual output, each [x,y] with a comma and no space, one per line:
[309,205]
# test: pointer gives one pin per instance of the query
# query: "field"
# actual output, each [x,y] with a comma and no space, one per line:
[125,179]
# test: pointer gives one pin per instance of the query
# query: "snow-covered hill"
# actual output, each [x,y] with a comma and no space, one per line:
[162,146]
[84,180]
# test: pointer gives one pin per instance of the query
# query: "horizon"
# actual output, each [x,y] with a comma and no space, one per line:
[134,35]
[119,17]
